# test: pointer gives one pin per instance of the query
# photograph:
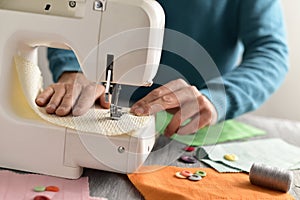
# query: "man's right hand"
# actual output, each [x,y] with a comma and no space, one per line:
[73,93]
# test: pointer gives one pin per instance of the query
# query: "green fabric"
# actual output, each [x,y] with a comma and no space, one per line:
[222,132]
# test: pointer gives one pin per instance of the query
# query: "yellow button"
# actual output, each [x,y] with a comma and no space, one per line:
[230,157]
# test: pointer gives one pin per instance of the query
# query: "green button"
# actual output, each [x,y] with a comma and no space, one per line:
[201,173]
[39,189]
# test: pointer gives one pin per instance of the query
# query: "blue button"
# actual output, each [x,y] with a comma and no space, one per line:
[195,177]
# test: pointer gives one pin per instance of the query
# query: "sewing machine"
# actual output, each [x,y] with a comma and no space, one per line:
[115,42]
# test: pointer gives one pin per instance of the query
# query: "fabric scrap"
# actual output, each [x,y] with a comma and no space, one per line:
[225,131]
[273,152]
[220,166]
[163,185]
[20,186]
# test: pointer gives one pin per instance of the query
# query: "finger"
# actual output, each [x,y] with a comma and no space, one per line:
[59,92]
[43,98]
[166,102]
[161,91]
[103,103]
[179,119]
[85,101]
[202,118]
[174,124]
[169,101]
[197,122]
[69,99]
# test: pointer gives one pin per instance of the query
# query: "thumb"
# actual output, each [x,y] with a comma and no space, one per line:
[103,103]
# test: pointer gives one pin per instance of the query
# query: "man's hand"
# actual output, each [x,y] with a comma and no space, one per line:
[182,100]
[72,93]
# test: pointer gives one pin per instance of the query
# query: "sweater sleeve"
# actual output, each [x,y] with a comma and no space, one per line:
[62,61]
[264,62]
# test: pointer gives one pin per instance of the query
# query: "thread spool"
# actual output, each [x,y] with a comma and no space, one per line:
[271,177]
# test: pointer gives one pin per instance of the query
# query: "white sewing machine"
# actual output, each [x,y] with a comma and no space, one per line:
[115,41]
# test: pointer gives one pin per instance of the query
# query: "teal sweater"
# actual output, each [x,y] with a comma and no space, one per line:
[245,40]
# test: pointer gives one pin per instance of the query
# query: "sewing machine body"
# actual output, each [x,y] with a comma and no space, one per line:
[92,31]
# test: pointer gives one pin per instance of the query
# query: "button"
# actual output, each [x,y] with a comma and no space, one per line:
[178,175]
[52,188]
[39,189]
[41,197]
[195,177]
[186,173]
[201,173]
[230,157]
[188,159]
[189,148]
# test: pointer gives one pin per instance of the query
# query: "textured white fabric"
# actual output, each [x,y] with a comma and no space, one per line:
[94,121]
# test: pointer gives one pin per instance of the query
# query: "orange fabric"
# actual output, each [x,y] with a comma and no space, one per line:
[161,184]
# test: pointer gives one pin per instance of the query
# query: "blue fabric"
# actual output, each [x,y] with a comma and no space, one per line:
[228,30]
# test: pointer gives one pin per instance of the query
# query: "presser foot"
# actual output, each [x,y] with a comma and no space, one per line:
[115,112]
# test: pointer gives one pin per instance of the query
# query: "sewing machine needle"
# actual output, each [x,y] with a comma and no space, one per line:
[107,87]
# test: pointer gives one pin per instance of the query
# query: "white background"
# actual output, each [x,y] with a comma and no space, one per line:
[285,103]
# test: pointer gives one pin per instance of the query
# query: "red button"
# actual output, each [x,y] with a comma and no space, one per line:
[189,149]
[186,173]
[41,197]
